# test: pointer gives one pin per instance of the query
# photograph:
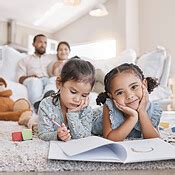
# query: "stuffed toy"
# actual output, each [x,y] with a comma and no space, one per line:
[9,109]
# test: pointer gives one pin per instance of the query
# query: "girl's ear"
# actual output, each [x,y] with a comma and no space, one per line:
[58,82]
[109,95]
[145,83]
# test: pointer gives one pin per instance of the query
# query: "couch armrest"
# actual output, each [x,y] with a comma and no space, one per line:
[19,90]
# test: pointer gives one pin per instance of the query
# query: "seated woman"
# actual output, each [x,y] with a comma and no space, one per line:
[63,50]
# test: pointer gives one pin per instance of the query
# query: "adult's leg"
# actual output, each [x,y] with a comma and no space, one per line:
[51,85]
[35,88]
[49,88]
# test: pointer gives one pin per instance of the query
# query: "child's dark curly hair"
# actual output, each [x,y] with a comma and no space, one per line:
[151,82]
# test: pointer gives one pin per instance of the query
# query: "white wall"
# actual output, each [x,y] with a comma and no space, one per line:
[121,24]
[21,36]
[132,24]
[157,25]
[89,28]
[3,32]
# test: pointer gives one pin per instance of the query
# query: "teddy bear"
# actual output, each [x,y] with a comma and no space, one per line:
[11,110]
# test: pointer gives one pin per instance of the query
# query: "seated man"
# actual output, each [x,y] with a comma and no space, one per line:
[32,70]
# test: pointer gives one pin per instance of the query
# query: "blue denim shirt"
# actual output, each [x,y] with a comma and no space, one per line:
[117,118]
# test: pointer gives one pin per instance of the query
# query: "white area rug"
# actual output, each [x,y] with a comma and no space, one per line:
[32,156]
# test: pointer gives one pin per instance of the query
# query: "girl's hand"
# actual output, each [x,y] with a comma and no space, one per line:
[144,100]
[83,104]
[126,110]
[63,133]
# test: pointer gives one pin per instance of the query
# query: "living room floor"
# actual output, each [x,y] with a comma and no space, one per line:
[128,172]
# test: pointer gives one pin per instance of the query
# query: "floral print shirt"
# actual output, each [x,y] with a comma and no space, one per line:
[79,123]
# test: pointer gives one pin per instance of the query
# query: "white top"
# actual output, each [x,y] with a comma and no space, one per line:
[34,65]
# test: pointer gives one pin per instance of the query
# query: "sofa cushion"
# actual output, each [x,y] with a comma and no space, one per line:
[127,56]
[152,63]
[9,58]
[19,90]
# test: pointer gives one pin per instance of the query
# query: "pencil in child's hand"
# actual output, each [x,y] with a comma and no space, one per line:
[55,122]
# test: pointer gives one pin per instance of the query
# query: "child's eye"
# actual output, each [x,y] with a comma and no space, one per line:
[119,93]
[134,87]
[73,92]
[84,96]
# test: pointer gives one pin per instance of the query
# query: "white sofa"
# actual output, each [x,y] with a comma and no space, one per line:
[8,65]
[155,64]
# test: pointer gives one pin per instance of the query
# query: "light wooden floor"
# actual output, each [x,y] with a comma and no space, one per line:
[131,172]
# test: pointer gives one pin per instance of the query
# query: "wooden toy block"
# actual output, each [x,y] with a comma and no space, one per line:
[164,124]
[17,136]
[27,134]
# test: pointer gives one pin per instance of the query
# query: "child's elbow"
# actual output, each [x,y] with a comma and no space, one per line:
[113,138]
[42,137]
[154,135]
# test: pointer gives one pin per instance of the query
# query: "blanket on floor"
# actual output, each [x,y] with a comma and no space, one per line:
[31,155]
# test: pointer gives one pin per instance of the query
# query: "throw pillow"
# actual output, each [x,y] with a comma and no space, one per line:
[127,56]
[152,63]
[9,60]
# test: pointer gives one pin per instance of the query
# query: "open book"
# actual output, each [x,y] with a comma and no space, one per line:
[95,148]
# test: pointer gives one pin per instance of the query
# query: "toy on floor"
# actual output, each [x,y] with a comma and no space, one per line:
[25,134]
[17,136]
[18,110]
[167,131]
[10,109]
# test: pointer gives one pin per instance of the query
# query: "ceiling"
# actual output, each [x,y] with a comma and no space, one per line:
[28,12]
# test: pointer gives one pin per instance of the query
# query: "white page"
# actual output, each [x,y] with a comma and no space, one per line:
[102,154]
[119,150]
[82,145]
[148,150]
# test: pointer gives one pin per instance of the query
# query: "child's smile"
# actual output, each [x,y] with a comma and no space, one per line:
[133,104]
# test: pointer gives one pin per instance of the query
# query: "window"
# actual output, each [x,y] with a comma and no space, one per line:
[97,50]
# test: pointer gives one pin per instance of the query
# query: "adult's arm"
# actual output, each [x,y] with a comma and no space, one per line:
[22,78]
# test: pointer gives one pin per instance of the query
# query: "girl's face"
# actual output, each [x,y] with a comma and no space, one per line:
[126,89]
[63,52]
[73,92]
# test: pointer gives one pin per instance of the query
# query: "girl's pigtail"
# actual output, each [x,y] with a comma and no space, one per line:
[55,97]
[101,99]
[152,83]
